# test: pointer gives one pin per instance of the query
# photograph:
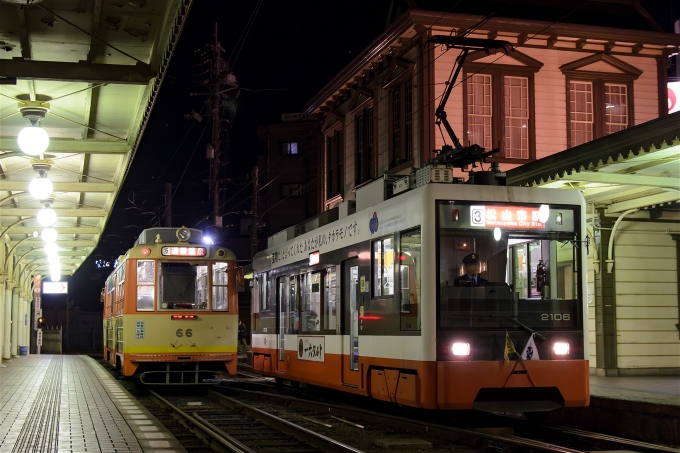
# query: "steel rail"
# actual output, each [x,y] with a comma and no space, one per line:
[454,434]
[201,426]
[629,443]
[299,432]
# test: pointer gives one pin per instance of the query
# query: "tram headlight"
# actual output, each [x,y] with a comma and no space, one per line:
[561,348]
[460,348]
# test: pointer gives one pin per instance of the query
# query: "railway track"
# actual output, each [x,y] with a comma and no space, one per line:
[499,433]
[227,424]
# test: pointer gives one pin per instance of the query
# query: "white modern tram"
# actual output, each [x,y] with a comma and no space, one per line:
[368,303]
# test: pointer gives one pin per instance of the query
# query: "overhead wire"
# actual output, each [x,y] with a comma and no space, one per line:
[242,38]
[435,99]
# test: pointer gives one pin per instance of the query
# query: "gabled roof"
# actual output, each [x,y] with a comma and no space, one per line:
[635,168]
[415,24]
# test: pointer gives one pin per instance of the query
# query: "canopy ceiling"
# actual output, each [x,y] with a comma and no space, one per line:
[99,65]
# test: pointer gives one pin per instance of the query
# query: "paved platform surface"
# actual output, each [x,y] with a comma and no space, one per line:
[663,390]
[64,403]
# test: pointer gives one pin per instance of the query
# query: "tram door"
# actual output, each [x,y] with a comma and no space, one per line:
[284,313]
[350,310]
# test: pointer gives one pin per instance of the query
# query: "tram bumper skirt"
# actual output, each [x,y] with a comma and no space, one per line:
[495,386]
[181,357]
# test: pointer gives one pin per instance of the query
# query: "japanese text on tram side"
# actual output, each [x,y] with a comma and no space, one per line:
[315,243]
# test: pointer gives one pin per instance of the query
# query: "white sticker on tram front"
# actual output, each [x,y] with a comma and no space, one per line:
[139,331]
[311,348]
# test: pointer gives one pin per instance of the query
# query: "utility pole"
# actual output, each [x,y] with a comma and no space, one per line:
[219,81]
[214,107]
[256,193]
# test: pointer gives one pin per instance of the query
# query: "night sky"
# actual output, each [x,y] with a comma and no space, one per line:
[291,51]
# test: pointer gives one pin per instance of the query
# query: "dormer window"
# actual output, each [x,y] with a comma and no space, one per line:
[600,97]
[499,105]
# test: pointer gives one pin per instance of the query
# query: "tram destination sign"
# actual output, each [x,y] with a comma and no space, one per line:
[183,251]
[508,216]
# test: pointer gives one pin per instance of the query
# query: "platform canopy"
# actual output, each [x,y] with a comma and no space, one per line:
[637,168]
[93,69]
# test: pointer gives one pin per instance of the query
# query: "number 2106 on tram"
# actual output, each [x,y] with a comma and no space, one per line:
[171,309]
[421,298]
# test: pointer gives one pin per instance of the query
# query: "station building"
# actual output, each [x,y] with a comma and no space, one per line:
[574,106]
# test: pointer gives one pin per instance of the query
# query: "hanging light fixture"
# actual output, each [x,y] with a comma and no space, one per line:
[33,140]
[41,187]
[49,235]
[51,259]
[47,216]
[51,249]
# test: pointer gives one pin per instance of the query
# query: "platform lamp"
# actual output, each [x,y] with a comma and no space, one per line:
[33,140]
[41,187]
[47,216]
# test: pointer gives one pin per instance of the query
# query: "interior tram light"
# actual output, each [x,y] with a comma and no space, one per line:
[561,348]
[461,349]
[543,213]
[497,234]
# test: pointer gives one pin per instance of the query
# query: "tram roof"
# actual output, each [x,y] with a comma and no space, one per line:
[637,168]
[72,55]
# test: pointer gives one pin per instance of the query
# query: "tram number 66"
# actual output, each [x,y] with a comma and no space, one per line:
[555,317]
[186,333]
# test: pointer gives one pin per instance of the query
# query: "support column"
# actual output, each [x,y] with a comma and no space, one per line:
[14,348]
[2,314]
[605,306]
[20,320]
[676,238]
[7,321]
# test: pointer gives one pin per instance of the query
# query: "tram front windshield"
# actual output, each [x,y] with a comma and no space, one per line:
[183,286]
[528,276]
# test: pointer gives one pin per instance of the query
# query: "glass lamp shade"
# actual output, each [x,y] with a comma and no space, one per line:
[49,235]
[55,277]
[52,259]
[55,268]
[51,249]
[40,188]
[33,140]
[47,217]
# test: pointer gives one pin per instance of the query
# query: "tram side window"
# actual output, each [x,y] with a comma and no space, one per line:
[331,299]
[409,276]
[110,287]
[220,287]
[383,267]
[311,307]
[145,287]
[260,286]
[183,286]
[120,290]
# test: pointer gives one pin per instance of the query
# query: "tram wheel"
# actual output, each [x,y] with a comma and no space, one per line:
[278,381]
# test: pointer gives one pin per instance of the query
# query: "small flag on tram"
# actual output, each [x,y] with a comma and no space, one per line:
[509,349]
[530,352]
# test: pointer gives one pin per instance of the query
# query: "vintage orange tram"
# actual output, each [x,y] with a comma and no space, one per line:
[171,309]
